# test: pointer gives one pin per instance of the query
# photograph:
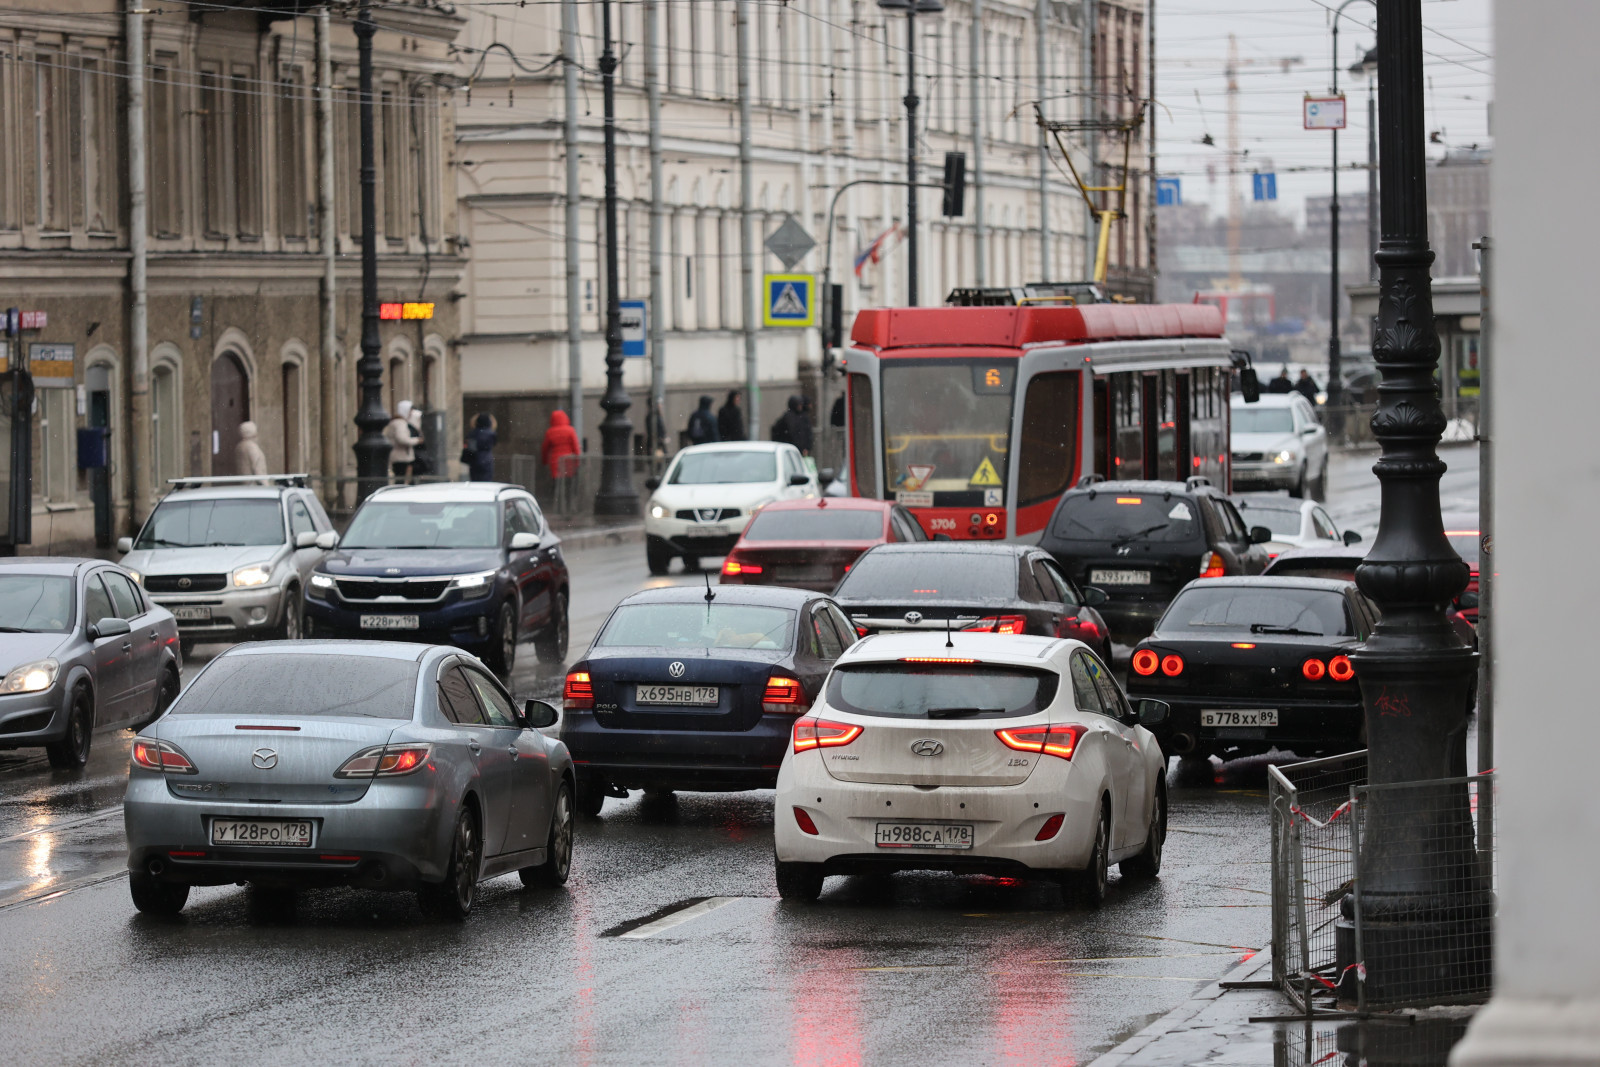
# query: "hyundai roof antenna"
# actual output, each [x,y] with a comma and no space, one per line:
[947,642]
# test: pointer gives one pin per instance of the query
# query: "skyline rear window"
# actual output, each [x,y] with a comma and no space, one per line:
[816,524]
[290,686]
[928,691]
[1254,609]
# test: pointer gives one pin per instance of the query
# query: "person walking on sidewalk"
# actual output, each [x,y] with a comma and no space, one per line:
[793,428]
[559,454]
[402,442]
[247,455]
[703,424]
[730,418]
[1307,386]
[478,454]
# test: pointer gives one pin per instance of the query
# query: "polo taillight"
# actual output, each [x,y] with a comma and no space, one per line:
[784,696]
[811,732]
[579,691]
[1058,739]
[163,756]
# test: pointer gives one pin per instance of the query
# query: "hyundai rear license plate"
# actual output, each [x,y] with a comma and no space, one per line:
[277,833]
[677,695]
[190,614]
[1119,577]
[923,835]
[1238,716]
[390,622]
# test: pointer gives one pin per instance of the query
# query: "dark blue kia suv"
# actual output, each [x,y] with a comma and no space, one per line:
[470,564]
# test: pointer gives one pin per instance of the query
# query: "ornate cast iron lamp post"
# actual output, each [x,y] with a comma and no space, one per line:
[372,450]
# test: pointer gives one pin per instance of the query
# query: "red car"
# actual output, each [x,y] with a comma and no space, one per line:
[811,543]
[1464,535]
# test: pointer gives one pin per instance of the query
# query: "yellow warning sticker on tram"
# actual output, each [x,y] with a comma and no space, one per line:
[985,474]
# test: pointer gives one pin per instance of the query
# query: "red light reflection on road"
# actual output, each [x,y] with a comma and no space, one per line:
[1032,1008]
[824,1009]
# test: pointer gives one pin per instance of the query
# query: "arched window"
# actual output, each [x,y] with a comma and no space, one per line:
[230,407]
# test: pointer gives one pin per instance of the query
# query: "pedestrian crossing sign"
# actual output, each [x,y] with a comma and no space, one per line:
[985,474]
[791,300]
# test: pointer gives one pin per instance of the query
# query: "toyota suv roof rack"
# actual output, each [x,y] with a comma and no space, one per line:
[297,481]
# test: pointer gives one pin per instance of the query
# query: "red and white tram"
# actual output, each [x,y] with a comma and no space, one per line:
[977,419]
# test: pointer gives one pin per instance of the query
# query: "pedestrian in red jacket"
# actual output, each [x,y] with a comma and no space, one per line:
[560,455]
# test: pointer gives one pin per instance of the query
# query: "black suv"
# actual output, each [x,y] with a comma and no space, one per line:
[471,564]
[1141,542]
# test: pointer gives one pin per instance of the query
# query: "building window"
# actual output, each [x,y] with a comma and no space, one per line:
[165,194]
[57,430]
[216,160]
[10,120]
[293,437]
[395,149]
[349,177]
[247,150]
[292,199]
[50,75]
[166,423]
[100,187]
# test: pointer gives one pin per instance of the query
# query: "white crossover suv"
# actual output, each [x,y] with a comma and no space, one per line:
[703,501]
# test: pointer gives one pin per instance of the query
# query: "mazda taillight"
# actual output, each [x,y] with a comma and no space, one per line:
[384,761]
[1212,566]
[161,756]
[1001,624]
[784,696]
[1145,662]
[579,690]
[1313,669]
[811,732]
[1058,740]
[1340,669]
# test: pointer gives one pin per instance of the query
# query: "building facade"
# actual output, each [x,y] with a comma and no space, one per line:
[236,255]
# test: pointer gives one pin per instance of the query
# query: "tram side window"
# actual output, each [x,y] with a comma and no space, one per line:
[1167,428]
[1049,437]
[863,435]
[1127,431]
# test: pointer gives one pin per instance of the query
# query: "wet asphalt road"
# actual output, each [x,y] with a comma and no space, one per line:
[917,968]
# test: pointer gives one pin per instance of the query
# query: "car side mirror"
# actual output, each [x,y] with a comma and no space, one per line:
[539,714]
[1094,596]
[1151,712]
[1260,535]
[1351,537]
[328,540]
[305,539]
[1249,385]
[652,483]
[826,476]
[1309,431]
[108,627]
[124,545]
[799,479]
[522,541]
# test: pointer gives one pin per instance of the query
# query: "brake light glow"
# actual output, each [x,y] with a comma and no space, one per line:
[161,756]
[384,761]
[1059,739]
[734,567]
[936,659]
[1051,827]
[1171,665]
[1212,566]
[579,690]
[1244,644]
[1313,669]
[1145,662]
[784,696]
[1001,624]
[861,631]
[811,732]
[802,819]
[1340,669]
[1130,500]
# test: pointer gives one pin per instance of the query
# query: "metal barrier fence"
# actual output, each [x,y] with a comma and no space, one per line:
[572,497]
[1427,939]
[1350,425]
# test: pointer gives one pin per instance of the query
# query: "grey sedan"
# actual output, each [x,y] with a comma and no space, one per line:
[360,763]
[82,650]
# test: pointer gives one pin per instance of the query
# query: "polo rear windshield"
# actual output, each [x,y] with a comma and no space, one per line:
[1127,518]
[913,576]
[816,524]
[940,691]
[1254,609]
[289,686]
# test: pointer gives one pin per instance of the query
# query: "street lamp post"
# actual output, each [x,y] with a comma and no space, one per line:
[372,450]
[617,495]
[1368,65]
[1425,923]
[912,8]
[1335,373]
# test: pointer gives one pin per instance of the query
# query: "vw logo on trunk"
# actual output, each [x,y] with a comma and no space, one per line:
[676,668]
[264,759]
[927,746]
[914,618]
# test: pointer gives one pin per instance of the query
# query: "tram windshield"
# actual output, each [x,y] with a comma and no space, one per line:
[947,428]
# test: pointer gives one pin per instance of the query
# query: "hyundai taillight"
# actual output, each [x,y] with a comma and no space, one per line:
[811,732]
[1051,827]
[784,696]
[1340,669]
[1313,669]
[579,690]
[161,756]
[1083,629]
[384,761]
[733,568]
[1145,662]
[1171,665]
[1001,624]
[1058,739]
[1212,566]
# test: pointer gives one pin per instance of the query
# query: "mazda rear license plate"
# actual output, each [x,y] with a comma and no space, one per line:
[1238,716]
[277,833]
[390,622]
[677,695]
[185,613]
[923,835]
[1119,577]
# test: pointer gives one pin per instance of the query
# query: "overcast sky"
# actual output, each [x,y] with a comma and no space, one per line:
[1192,47]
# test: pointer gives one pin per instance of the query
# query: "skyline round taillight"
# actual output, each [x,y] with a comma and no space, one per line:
[1145,662]
[1313,669]
[1171,665]
[1340,669]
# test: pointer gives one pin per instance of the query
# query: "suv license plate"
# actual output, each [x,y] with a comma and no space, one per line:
[390,622]
[1238,716]
[1099,577]
[189,614]
[923,835]
[690,695]
[276,833]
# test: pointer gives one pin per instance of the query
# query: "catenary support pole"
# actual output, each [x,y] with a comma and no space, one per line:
[747,226]
[911,101]
[1335,382]
[141,478]
[617,496]
[1372,181]
[329,409]
[574,198]
[654,421]
[1486,528]
[1150,132]
[1089,110]
[1041,19]
[980,230]
[372,450]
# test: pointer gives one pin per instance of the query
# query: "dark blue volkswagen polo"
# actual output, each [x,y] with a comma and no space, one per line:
[697,689]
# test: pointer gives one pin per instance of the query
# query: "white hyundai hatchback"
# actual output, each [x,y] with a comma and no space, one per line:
[973,753]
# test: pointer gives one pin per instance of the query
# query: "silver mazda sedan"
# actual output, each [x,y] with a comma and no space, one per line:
[369,764]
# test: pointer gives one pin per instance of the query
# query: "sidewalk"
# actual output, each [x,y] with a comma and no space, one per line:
[577,536]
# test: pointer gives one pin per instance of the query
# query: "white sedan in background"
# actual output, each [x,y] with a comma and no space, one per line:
[972,753]
[700,505]
[1278,443]
[1294,523]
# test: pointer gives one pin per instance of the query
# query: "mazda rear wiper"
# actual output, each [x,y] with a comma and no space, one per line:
[961,713]
[1267,628]
[1142,533]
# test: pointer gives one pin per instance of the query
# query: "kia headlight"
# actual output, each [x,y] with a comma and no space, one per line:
[32,677]
[474,585]
[320,585]
[253,575]
[1286,456]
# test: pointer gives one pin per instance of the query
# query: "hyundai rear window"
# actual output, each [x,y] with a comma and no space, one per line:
[288,686]
[698,626]
[940,691]
[1256,609]
[816,524]
[913,576]
[1127,518]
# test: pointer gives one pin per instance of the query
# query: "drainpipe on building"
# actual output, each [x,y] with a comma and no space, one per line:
[330,323]
[658,303]
[139,475]
[569,52]
[1041,20]
[747,228]
[980,232]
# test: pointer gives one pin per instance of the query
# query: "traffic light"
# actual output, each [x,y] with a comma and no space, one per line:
[832,323]
[955,184]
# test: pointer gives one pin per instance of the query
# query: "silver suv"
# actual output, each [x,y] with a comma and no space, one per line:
[230,556]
